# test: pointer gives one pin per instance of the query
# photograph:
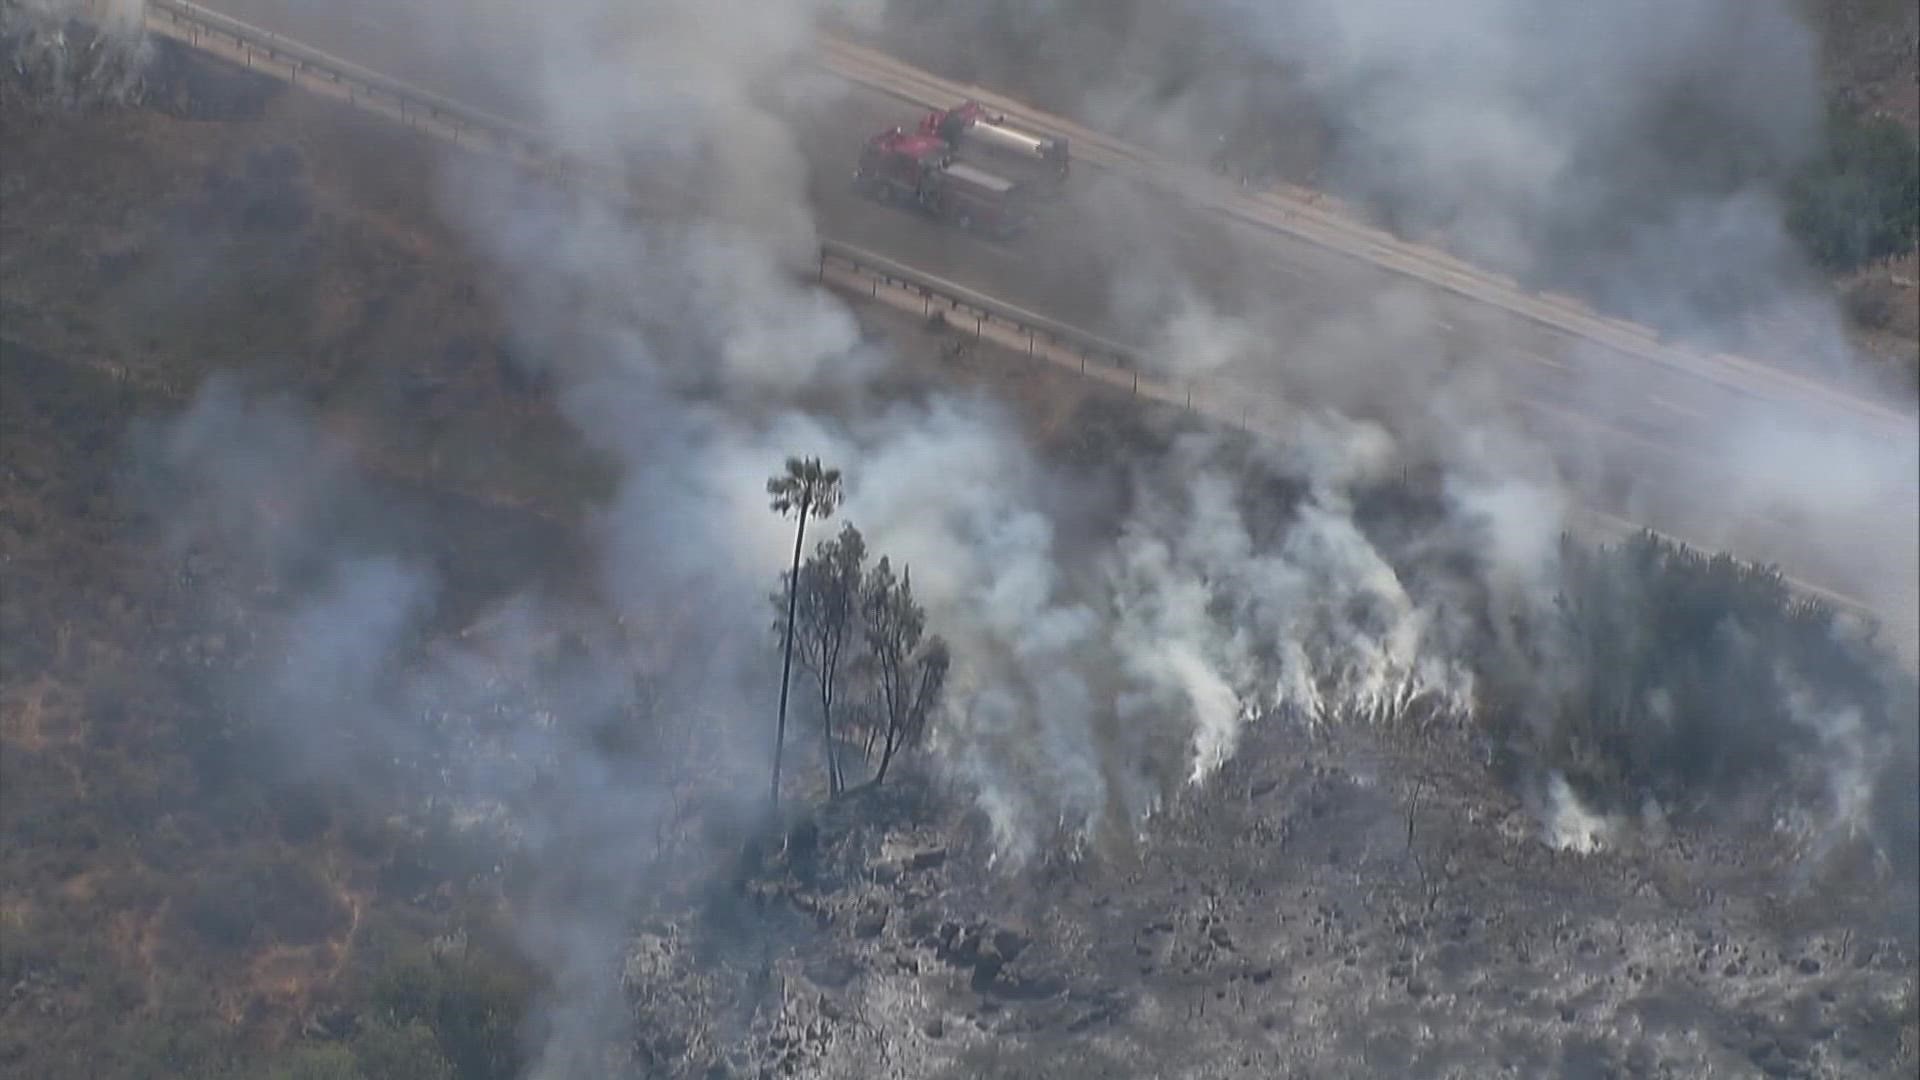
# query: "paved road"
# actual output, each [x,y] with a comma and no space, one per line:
[1093,257]
[1356,336]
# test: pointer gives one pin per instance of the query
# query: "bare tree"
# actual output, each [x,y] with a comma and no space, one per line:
[806,489]
[909,673]
[827,619]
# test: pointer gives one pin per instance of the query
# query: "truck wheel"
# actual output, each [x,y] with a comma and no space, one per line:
[883,193]
[965,221]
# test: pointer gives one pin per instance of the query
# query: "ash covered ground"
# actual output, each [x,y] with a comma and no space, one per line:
[307,494]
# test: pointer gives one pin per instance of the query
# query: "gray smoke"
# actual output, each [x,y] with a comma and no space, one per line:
[1090,682]
[59,61]
[1584,144]
[1635,154]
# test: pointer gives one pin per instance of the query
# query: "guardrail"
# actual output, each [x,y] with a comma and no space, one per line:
[1097,357]
[1130,369]
[985,309]
[262,50]
[197,20]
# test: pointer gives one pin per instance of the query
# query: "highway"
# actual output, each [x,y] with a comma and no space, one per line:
[1363,333]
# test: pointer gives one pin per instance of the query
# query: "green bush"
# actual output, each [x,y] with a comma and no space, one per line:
[303,813]
[1667,672]
[473,1008]
[176,1043]
[272,897]
[406,990]
[400,1052]
[329,1061]
[1859,201]
[220,909]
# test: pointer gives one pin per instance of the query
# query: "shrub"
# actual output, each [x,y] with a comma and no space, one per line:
[329,1061]
[1690,677]
[1872,303]
[303,813]
[1859,201]
[406,990]
[178,1043]
[473,1008]
[403,1052]
[220,909]
[285,899]
[297,905]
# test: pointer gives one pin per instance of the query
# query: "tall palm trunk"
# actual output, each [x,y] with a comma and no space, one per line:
[786,667]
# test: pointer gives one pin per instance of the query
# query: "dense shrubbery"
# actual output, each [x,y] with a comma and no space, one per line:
[1859,202]
[1702,681]
[473,1011]
[408,1051]
[427,1018]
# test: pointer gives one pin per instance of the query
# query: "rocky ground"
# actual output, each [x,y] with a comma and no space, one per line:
[1340,901]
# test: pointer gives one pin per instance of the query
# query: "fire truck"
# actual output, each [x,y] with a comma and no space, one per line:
[978,135]
[918,169]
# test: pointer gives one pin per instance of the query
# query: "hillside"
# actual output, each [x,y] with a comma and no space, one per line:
[267,807]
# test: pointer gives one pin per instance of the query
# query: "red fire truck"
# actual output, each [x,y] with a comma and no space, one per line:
[919,169]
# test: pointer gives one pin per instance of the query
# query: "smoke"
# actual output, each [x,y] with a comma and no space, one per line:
[1560,141]
[1568,825]
[76,54]
[1317,624]
[1090,680]
[1632,154]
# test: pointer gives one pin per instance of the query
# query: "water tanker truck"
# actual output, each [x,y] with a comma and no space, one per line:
[993,142]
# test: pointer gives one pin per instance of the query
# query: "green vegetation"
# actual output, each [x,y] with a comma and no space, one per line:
[862,637]
[1859,201]
[171,903]
[433,1016]
[1688,677]
[433,1021]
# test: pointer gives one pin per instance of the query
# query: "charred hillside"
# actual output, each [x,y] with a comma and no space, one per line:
[388,674]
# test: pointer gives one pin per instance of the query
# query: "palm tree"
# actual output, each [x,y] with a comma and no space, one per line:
[805,489]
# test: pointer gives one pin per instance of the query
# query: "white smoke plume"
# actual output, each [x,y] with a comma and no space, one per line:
[1568,825]
[1088,682]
